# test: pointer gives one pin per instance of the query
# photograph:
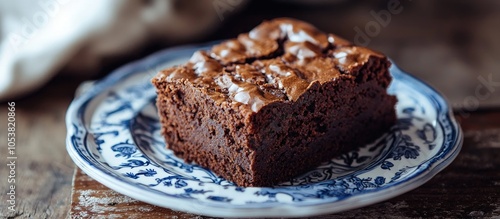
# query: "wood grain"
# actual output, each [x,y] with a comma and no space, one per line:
[44,169]
[468,188]
[91,199]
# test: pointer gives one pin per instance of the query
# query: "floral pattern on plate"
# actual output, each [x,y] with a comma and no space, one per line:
[114,136]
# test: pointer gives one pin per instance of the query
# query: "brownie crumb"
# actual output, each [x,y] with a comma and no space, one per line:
[274,103]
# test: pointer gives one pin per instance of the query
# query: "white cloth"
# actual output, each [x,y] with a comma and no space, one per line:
[39,38]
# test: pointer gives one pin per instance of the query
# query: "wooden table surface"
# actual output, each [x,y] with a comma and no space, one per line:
[468,188]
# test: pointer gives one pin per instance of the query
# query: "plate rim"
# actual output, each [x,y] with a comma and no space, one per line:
[279,210]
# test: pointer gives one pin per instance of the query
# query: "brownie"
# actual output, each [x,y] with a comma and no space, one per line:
[274,103]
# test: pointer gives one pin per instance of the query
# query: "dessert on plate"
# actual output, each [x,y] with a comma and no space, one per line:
[274,103]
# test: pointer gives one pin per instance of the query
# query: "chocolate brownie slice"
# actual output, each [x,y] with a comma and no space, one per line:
[274,103]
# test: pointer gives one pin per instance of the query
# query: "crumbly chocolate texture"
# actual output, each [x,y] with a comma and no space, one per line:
[275,102]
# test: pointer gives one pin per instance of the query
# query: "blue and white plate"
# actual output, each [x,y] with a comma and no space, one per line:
[114,137]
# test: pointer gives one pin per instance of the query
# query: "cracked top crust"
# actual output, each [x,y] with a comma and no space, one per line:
[276,61]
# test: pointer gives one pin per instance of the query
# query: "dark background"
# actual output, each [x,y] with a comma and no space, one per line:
[446,43]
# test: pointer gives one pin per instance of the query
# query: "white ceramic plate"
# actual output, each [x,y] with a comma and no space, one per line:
[113,136]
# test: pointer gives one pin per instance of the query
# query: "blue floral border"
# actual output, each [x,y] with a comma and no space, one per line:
[453,136]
